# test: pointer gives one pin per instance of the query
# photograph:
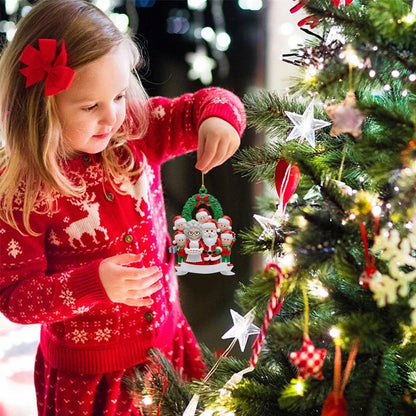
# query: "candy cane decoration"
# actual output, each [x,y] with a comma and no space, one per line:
[272,309]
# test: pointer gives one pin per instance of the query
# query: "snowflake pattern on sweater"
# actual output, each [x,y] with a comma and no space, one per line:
[52,278]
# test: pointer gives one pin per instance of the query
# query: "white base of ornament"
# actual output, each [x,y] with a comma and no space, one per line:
[223,268]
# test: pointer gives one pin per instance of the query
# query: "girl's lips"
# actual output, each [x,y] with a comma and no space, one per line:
[102,136]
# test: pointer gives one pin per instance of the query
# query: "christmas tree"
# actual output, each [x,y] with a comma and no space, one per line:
[336,301]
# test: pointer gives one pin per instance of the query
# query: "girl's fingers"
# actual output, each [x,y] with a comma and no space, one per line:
[126,259]
[144,293]
[207,156]
[138,302]
[141,282]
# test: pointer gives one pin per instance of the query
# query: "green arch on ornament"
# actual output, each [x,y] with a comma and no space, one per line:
[199,200]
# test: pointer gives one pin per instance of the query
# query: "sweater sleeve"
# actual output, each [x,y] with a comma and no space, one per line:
[30,294]
[174,122]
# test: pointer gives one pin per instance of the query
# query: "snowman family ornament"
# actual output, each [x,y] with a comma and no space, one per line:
[203,237]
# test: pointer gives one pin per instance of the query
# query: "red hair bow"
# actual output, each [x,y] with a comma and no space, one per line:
[40,63]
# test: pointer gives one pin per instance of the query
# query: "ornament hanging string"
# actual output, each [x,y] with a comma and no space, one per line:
[369,259]
[306,313]
[335,403]
[203,182]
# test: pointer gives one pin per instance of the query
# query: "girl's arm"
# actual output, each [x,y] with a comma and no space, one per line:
[175,125]
[29,294]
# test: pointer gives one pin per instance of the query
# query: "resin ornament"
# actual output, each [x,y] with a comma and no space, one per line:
[203,237]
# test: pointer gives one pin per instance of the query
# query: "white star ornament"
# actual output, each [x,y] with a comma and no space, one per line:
[243,328]
[305,125]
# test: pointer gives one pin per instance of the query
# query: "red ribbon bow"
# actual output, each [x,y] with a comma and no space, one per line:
[40,63]
[202,199]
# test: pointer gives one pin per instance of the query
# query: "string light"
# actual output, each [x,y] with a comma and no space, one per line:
[376,210]
[121,21]
[11,6]
[250,4]
[317,289]
[104,5]
[197,4]
[299,387]
[335,332]
[147,400]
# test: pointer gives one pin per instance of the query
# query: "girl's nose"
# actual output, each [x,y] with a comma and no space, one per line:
[109,116]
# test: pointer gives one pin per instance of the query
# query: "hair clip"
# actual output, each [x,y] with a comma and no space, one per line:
[41,64]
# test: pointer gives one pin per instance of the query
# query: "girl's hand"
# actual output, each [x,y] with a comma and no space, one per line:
[129,285]
[218,140]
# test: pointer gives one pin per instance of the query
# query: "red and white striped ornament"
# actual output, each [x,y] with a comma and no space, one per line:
[273,308]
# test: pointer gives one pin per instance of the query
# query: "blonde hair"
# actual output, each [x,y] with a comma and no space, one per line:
[29,126]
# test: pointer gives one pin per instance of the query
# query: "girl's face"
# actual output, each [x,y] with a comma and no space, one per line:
[93,108]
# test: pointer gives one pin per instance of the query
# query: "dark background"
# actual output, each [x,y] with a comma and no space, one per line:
[206,299]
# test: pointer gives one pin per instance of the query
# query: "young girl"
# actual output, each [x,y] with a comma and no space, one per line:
[83,227]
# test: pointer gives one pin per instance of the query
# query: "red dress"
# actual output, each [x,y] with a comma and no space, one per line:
[88,342]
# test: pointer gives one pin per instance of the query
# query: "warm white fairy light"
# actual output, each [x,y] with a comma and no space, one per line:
[317,289]
[104,5]
[222,41]
[197,4]
[409,225]
[25,10]
[250,4]
[395,73]
[121,20]
[286,262]
[147,400]
[386,87]
[412,77]
[11,6]
[376,210]
[371,73]
[349,55]
[201,65]
[405,93]
[208,34]
[299,387]
[335,332]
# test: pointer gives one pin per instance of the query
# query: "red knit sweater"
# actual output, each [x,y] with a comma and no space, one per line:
[53,278]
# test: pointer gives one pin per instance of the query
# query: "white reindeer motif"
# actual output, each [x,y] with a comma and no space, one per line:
[138,190]
[88,225]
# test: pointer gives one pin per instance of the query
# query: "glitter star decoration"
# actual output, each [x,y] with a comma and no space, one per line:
[201,65]
[308,360]
[345,116]
[243,327]
[305,125]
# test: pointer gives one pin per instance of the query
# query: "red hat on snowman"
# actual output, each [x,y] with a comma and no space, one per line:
[178,220]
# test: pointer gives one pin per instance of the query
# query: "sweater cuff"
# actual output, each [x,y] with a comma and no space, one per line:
[86,284]
[217,102]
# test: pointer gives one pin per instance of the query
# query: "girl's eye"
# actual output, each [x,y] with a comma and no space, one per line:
[92,107]
[121,96]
